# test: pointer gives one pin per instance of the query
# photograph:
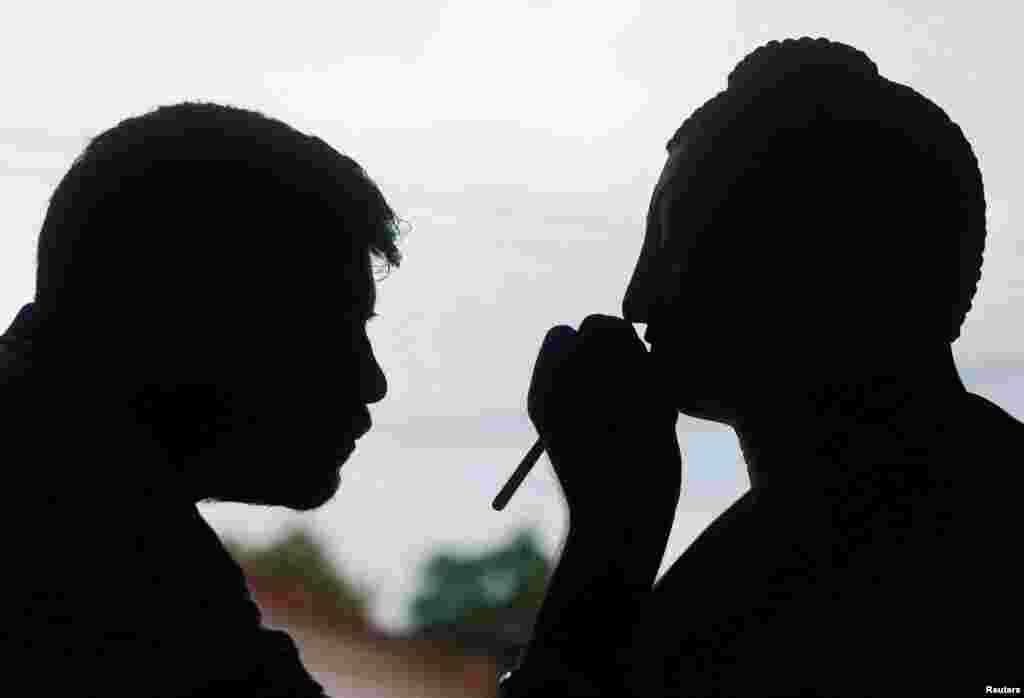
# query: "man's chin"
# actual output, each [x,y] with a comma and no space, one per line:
[312,500]
[710,410]
[311,492]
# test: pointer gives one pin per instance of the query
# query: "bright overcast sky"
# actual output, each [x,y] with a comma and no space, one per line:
[520,140]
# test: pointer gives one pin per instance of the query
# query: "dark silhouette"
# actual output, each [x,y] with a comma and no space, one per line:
[812,249]
[204,278]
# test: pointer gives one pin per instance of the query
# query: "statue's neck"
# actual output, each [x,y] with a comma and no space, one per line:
[815,431]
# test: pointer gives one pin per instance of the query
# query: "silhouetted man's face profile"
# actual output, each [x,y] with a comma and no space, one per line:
[268,418]
[223,276]
[297,417]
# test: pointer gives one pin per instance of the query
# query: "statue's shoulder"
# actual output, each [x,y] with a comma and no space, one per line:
[987,416]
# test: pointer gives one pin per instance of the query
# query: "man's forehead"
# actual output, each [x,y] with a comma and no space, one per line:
[338,292]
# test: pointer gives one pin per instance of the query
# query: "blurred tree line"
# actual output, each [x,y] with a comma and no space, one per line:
[484,603]
[296,571]
[474,603]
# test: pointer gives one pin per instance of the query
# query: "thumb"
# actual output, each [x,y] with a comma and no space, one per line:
[555,349]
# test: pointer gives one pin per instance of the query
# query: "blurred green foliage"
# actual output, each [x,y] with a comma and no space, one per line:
[483,592]
[298,558]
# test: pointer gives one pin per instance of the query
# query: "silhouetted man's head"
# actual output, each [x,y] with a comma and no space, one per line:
[814,219]
[212,268]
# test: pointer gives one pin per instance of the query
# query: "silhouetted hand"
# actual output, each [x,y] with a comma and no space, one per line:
[610,433]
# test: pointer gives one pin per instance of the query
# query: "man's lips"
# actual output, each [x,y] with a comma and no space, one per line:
[362,425]
[358,426]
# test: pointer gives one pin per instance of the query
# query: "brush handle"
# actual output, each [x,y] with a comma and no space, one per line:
[525,466]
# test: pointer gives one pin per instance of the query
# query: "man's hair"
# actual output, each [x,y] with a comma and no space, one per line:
[856,189]
[191,219]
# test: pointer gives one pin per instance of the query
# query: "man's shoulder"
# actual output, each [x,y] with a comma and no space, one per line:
[162,598]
